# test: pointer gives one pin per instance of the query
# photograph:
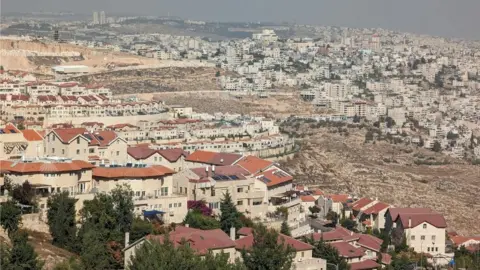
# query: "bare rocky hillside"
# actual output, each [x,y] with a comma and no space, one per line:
[153,80]
[343,163]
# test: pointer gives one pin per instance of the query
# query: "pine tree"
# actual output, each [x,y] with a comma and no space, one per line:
[21,255]
[10,216]
[61,220]
[267,251]
[230,216]
[285,229]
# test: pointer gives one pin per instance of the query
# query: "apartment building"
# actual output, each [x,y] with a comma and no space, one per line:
[15,143]
[212,183]
[97,147]
[152,187]
[52,175]
[171,158]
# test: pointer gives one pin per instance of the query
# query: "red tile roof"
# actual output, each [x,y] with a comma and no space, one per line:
[370,242]
[318,192]
[346,250]
[129,172]
[254,164]
[376,208]
[31,135]
[364,265]
[213,158]
[141,152]
[394,212]
[98,138]
[44,167]
[433,219]
[235,170]
[201,241]
[459,240]
[172,154]
[245,231]
[358,205]
[339,198]
[247,243]
[4,165]
[307,198]
[386,258]
[274,177]
[338,233]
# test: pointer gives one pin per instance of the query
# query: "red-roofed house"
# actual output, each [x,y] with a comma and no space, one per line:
[303,259]
[153,189]
[81,144]
[375,215]
[333,202]
[470,242]
[210,184]
[425,232]
[173,158]
[201,241]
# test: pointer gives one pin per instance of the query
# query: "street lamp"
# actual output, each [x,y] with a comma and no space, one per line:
[336,265]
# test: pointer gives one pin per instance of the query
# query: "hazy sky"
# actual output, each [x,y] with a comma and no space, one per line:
[457,18]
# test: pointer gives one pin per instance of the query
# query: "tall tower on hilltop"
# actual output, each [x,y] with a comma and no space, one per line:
[95,18]
[103,20]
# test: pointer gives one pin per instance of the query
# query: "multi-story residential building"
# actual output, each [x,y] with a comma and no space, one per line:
[15,143]
[172,158]
[152,187]
[97,147]
[212,183]
[52,175]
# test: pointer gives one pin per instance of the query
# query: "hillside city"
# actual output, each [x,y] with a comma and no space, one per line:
[122,145]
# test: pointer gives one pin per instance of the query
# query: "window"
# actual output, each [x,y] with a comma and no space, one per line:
[240,202]
[170,205]
[412,237]
[303,254]
[175,205]
[436,249]
[155,159]
[186,192]
[422,237]
[428,249]
[118,153]
[181,189]
[433,237]
[179,204]
[239,190]
[53,150]
[164,191]
[143,193]
[424,226]
[53,137]
[203,191]
[78,151]
[91,150]
[63,151]
[212,192]
[137,193]
[78,140]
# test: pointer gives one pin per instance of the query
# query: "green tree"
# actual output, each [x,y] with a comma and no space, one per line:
[196,219]
[268,252]
[164,255]
[10,216]
[217,74]
[230,217]
[325,251]
[285,229]
[61,220]
[140,228]
[105,219]
[437,147]
[349,224]
[24,193]
[95,254]
[21,255]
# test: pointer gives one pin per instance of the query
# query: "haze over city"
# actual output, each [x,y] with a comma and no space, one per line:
[434,17]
